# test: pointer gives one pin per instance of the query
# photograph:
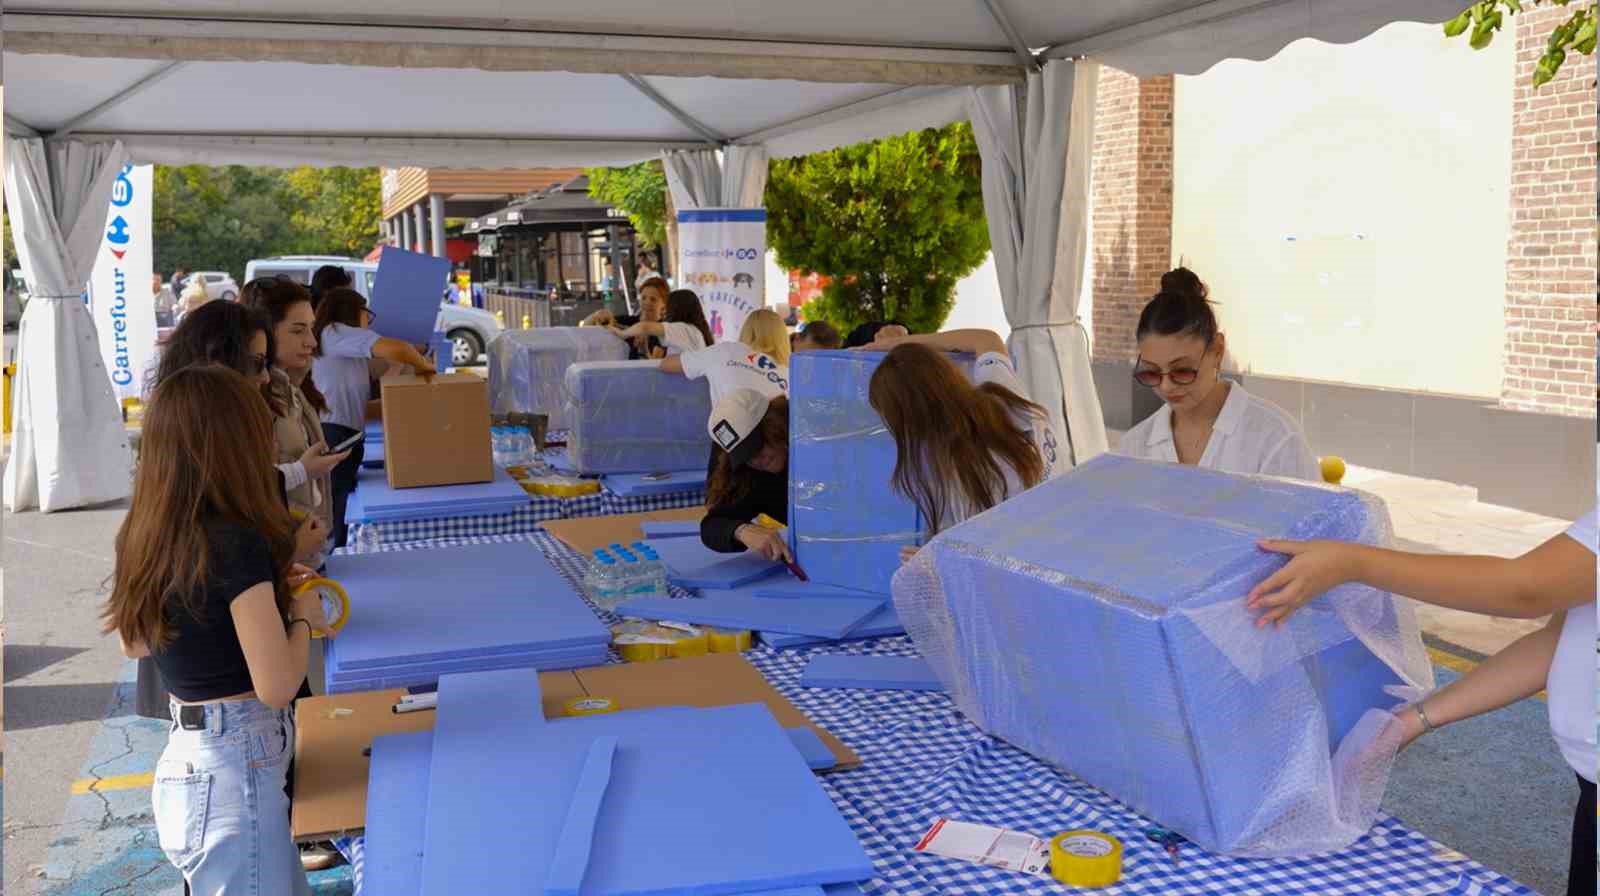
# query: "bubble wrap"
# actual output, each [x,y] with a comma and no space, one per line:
[629,417]
[1098,622]
[528,368]
[847,521]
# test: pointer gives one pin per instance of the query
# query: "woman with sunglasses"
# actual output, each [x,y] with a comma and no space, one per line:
[346,345]
[1207,421]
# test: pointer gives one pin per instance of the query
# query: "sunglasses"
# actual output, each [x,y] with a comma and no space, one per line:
[1151,377]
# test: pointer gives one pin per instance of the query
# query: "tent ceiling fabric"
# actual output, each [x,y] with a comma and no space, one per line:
[396,82]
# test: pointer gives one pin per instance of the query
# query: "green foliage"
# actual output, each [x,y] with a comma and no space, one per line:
[1576,34]
[894,223]
[217,219]
[640,191]
[8,257]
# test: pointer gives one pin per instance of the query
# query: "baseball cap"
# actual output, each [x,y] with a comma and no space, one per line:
[735,424]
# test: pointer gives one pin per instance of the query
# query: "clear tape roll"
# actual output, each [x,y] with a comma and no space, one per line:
[335,602]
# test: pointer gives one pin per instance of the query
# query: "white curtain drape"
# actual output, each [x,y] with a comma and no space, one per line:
[698,180]
[1036,140]
[69,447]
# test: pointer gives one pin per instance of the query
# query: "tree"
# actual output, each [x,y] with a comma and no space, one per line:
[640,191]
[220,218]
[894,224]
[1485,18]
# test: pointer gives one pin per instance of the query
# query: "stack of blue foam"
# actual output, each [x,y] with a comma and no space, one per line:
[528,368]
[629,417]
[675,800]
[372,453]
[1098,621]
[417,615]
[846,521]
[376,502]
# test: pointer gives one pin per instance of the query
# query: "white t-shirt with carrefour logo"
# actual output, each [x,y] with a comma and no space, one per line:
[730,366]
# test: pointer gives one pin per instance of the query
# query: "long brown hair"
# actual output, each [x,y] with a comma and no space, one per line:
[726,484]
[951,438]
[274,296]
[683,307]
[338,306]
[205,458]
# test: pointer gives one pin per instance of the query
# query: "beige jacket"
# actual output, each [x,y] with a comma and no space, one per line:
[294,432]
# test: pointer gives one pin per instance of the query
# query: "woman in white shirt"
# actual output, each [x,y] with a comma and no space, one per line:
[682,329]
[345,347]
[963,447]
[1206,421]
[759,361]
[1556,579]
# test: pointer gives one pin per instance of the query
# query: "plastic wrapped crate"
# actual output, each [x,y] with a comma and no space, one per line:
[629,417]
[847,522]
[1098,622]
[528,368]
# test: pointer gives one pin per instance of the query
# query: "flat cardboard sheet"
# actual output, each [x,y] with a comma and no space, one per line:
[330,774]
[587,534]
[406,294]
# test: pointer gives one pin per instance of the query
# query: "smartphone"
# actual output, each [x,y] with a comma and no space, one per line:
[346,444]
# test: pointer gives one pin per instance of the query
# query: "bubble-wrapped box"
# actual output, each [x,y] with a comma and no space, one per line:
[846,521]
[1098,621]
[629,417]
[528,368]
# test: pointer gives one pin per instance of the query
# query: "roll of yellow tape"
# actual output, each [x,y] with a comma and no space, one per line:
[1086,859]
[767,522]
[728,641]
[640,651]
[590,706]
[335,601]
[686,644]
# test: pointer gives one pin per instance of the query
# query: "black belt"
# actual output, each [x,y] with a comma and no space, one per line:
[192,718]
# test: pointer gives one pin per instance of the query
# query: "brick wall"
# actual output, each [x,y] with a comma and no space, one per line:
[1132,213]
[1550,262]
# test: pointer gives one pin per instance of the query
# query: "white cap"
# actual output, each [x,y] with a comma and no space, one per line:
[735,424]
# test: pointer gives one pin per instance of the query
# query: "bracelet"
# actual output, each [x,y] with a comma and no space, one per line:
[1427,725]
[307,622]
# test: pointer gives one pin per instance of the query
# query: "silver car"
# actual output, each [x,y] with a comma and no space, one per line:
[470,330]
[218,284]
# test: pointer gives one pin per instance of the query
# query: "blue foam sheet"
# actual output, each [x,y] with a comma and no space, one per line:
[886,673]
[786,588]
[500,789]
[691,564]
[397,808]
[372,455]
[576,840]
[847,524]
[821,617]
[374,431]
[1121,585]
[671,529]
[406,294]
[629,417]
[450,603]
[501,493]
[882,624]
[421,676]
[817,754]
[632,485]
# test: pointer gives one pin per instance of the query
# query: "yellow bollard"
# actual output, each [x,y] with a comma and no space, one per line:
[527,322]
[1332,469]
[500,318]
[10,375]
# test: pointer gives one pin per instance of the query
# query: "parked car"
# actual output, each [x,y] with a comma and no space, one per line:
[470,330]
[16,296]
[218,284]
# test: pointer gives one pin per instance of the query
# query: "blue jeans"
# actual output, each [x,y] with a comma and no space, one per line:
[221,812]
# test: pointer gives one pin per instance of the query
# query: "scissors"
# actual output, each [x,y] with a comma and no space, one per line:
[1168,840]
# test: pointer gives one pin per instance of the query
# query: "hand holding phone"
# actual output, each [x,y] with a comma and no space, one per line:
[346,445]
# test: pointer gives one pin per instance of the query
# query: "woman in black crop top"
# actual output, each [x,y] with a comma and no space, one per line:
[201,585]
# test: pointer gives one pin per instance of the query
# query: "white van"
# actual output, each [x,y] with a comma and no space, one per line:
[470,330]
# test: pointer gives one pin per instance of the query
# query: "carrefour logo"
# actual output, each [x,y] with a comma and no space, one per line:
[121,197]
[742,254]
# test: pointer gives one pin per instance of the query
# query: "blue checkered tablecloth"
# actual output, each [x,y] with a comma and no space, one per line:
[523,520]
[921,759]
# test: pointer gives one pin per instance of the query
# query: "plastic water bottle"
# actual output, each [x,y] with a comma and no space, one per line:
[526,452]
[652,569]
[501,441]
[367,539]
[603,581]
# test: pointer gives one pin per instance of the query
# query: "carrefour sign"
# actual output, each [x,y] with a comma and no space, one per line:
[120,292]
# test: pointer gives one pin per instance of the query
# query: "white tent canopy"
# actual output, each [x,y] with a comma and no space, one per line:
[610,82]
[599,82]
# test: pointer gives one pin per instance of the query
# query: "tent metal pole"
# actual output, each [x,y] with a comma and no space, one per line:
[689,121]
[147,81]
[1024,52]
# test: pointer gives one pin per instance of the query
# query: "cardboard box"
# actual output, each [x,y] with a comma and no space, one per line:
[436,430]
[330,777]
[586,534]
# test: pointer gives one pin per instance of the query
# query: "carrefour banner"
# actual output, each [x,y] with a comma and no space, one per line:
[722,256]
[120,294]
